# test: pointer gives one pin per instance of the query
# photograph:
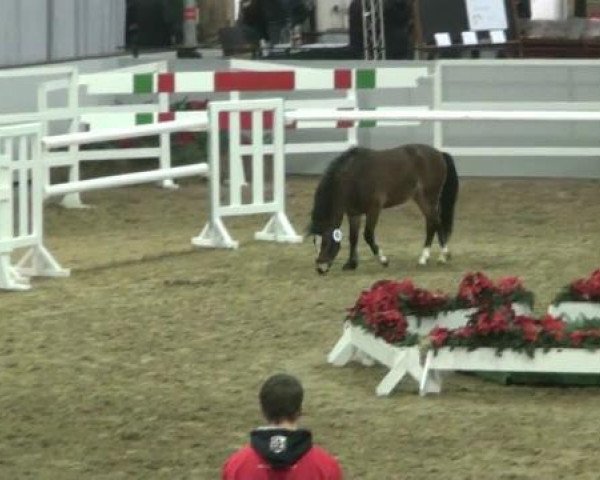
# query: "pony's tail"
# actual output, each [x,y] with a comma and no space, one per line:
[448,197]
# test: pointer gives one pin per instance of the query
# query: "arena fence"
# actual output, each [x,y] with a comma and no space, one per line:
[145,93]
[21,154]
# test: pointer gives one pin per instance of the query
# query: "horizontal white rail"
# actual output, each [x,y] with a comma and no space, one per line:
[18,130]
[54,85]
[35,71]
[434,115]
[26,117]
[201,123]
[57,141]
[115,181]
[548,151]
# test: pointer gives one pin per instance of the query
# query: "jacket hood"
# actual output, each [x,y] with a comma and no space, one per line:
[280,447]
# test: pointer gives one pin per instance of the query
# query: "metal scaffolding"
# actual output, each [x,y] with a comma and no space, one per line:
[373,29]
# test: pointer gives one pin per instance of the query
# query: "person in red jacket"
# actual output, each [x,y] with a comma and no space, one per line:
[281,450]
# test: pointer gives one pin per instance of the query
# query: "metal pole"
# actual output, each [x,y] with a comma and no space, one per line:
[50,29]
[190,23]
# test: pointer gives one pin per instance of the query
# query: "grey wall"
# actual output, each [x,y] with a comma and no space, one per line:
[34,31]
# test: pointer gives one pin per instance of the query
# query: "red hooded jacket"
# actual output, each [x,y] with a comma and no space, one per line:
[278,454]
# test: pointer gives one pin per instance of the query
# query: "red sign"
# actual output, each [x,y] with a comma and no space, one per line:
[190,13]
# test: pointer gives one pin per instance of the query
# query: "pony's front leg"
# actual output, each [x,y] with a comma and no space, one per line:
[372,218]
[352,262]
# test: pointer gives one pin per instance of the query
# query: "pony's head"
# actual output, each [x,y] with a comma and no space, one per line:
[328,241]
[327,213]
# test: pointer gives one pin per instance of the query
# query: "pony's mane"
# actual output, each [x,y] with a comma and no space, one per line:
[326,191]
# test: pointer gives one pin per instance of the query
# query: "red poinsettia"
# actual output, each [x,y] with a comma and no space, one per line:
[473,286]
[500,328]
[424,300]
[493,321]
[401,295]
[581,290]
[478,290]
[383,308]
[553,326]
[438,336]
[529,326]
[578,337]
[587,289]
[185,138]
[196,105]
[127,142]
[508,285]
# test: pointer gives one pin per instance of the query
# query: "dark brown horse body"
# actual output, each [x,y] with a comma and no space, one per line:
[362,181]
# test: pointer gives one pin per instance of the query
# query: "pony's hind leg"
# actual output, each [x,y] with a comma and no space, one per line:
[354,223]
[432,225]
[371,223]
[445,251]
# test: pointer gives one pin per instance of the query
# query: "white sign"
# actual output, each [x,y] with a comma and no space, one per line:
[442,39]
[497,36]
[486,15]
[469,38]
[549,9]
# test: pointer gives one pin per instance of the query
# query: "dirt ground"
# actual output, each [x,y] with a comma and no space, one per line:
[145,363]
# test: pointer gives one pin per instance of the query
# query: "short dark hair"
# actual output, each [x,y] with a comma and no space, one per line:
[281,398]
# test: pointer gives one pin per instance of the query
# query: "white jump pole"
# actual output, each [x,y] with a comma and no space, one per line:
[57,141]
[115,181]
[316,114]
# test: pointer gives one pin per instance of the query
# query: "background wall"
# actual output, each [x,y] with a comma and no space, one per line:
[33,31]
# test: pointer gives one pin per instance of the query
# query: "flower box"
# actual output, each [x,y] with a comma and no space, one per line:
[554,360]
[574,311]
[453,319]
[356,343]
[579,300]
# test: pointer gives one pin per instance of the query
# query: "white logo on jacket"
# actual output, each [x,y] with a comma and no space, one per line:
[278,444]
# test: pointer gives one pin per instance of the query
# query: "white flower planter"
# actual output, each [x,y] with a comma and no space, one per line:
[573,311]
[452,319]
[566,360]
[358,344]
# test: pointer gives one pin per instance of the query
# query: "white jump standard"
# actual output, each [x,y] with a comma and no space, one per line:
[278,228]
[20,159]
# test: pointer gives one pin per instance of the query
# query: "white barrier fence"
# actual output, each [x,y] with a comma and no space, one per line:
[21,215]
[278,228]
[28,162]
[84,111]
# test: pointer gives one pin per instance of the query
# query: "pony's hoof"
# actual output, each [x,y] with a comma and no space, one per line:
[442,259]
[423,262]
[384,261]
[350,265]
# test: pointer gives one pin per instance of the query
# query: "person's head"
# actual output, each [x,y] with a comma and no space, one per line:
[281,399]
